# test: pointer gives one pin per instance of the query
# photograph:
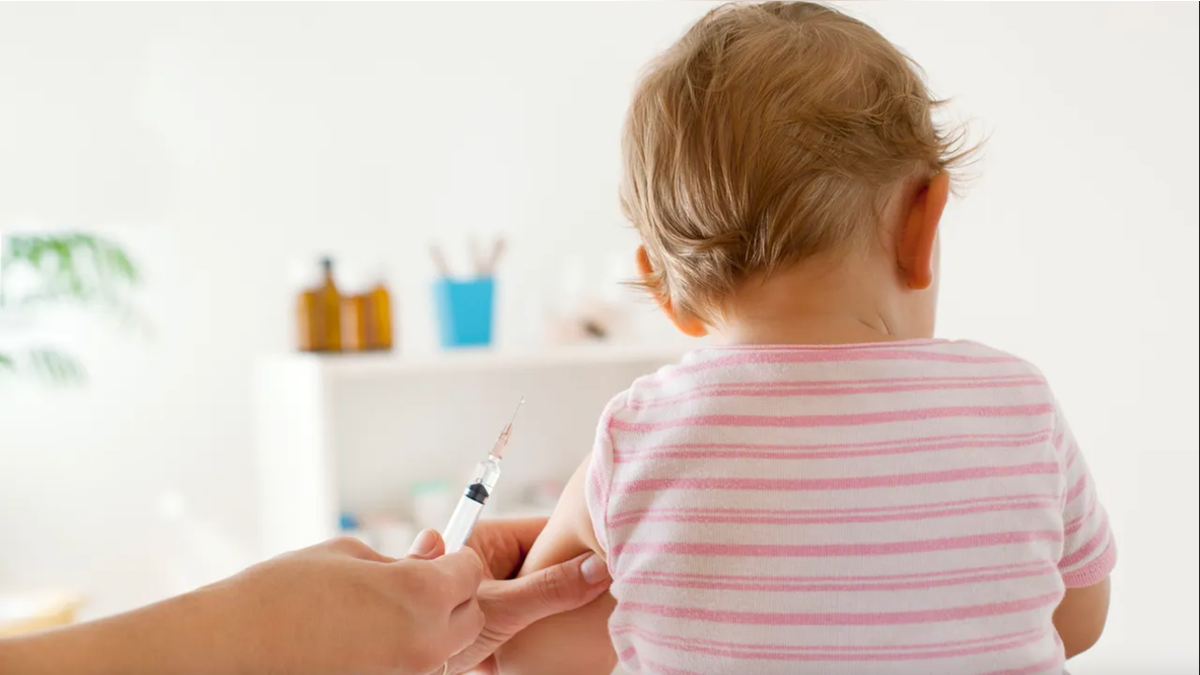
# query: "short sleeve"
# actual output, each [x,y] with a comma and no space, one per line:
[600,475]
[1089,551]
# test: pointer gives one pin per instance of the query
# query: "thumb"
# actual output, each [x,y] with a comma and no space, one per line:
[556,589]
[427,546]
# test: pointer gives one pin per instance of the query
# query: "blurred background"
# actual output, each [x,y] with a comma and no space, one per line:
[278,270]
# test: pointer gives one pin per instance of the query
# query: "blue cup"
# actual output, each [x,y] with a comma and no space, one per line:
[464,310]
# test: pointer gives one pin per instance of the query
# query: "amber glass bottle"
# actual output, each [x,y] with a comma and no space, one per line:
[329,310]
[308,330]
[378,307]
[355,323]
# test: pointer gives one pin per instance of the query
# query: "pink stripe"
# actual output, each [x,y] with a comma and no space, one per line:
[769,389]
[865,381]
[601,505]
[1079,555]
[1033,564]
[759,519]
[1076,489]
[630,629]
[851,483]
[1072,453]
[836,420]
[843,618]
[598,481]
[1025,435]
[824,356]
[839,550]
[833,587]
[828,451]
[916,342]
[1076,524]
[754,653]
[666,670]
[897,508]
[597,484]
[1095,571]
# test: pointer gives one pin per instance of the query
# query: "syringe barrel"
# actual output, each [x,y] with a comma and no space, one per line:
[458,531]
[470,504]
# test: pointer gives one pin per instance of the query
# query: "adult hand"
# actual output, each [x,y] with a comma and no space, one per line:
[510,605]
[340,607]
[334,608]
[330,609]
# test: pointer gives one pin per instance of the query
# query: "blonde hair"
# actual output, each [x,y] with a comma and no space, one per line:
[768,134]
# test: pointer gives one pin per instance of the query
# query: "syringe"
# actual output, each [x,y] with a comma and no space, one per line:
[470,505]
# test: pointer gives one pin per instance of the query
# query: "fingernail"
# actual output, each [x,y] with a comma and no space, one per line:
[424,543]
[594,570]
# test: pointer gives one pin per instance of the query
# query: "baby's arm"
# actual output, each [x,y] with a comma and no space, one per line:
[1089,551]
[1080,617]
[576,642]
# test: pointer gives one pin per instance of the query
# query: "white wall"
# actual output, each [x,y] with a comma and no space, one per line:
[224,141]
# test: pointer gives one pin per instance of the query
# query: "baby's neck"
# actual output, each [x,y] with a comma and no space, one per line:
[804,329]
[831,304]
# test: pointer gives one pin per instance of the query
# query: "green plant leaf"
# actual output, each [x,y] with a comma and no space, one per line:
[74,268]
[50,365]
[57,367]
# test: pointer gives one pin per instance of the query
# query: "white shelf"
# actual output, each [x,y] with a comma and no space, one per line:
[475,360]
[358,431]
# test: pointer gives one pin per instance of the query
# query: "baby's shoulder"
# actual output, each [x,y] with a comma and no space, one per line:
[987,353]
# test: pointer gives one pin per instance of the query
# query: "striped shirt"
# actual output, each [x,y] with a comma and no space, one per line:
[910,507]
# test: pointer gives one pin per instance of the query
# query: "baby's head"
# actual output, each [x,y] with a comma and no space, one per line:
[785,144]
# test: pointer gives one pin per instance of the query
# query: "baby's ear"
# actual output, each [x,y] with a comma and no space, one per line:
[652,281]
[918,235]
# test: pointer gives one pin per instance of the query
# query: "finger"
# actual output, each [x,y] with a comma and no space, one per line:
[466,623]
[554,590]
[427,546]
[462,571]
[503,544]
[476,660]
[489,666]
[520,531]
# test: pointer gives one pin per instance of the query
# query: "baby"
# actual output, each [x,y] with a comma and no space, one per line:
[836,491]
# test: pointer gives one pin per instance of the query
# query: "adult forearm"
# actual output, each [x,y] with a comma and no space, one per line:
[181,635]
